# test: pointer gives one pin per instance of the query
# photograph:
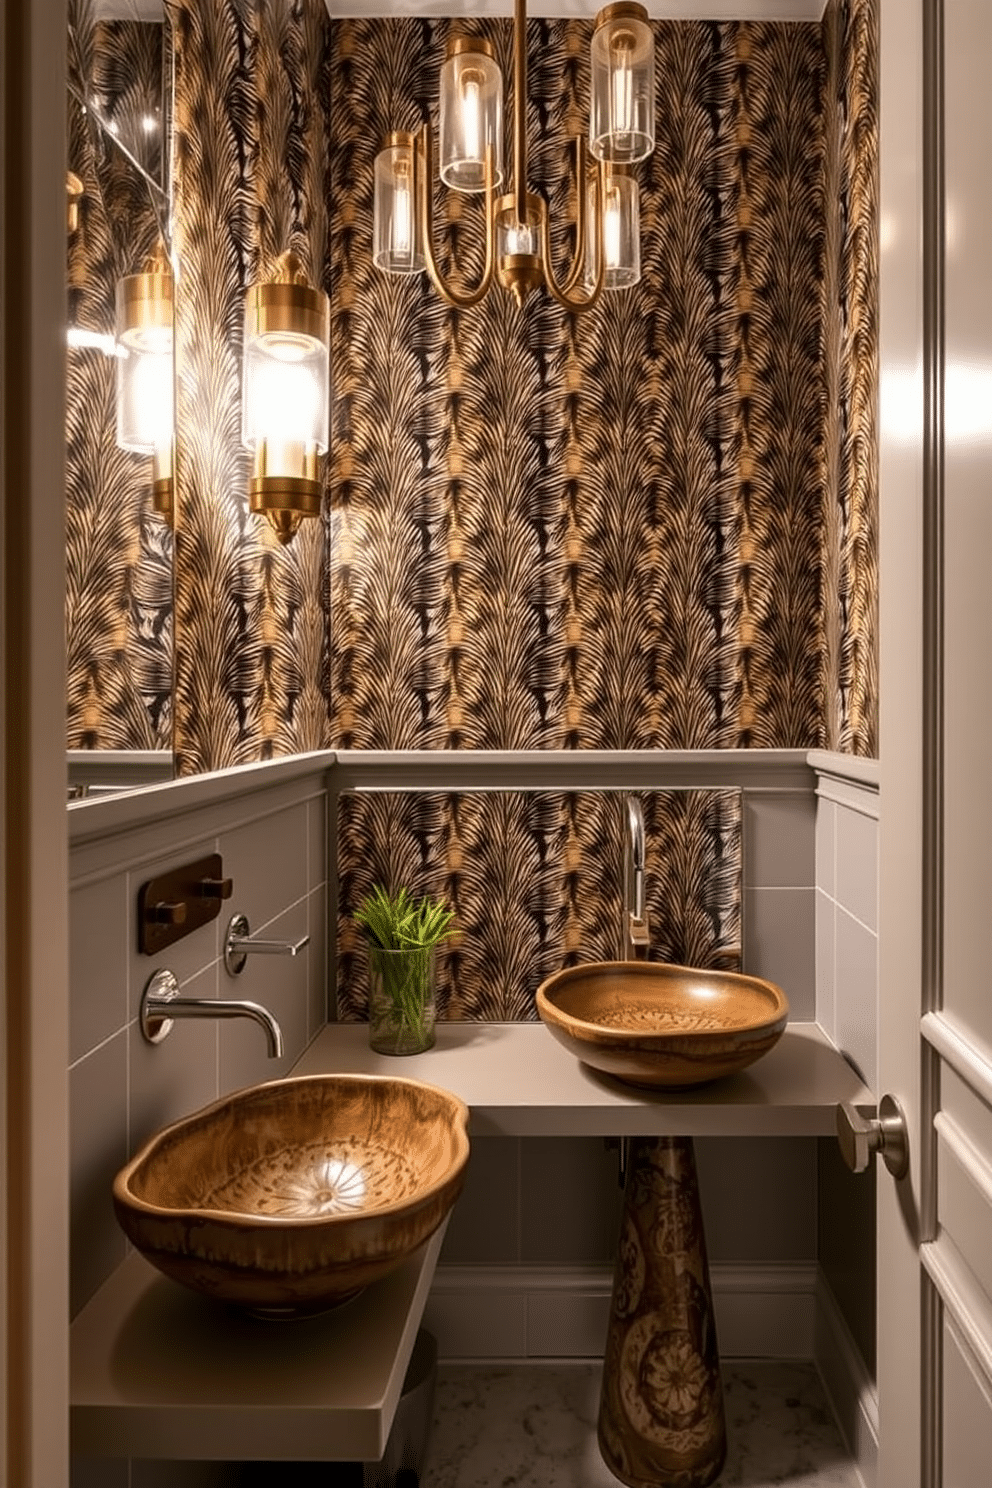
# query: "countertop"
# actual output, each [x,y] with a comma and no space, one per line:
[157,1371]
[518,1081]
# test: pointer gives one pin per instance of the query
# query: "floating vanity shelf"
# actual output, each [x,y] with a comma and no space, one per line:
[157,1371]
[160,1372]
[517,1081]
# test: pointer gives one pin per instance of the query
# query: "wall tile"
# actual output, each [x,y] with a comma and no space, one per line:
[318,977]
[317,866]
[98,931]
[857,866]
[570,1201]
[484,1228]
[268,862]
[780,943]
[779,832]
[279,983]
[826,846]
[826,973]
[171,1079]
[759,1198]
[856,1019]
[567,1326]
[97,1151]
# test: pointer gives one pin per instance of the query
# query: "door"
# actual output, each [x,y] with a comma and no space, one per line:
[935,1007]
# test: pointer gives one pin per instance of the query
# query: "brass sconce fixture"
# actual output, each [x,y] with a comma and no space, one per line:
[145,372]
[517,231]
[285,395]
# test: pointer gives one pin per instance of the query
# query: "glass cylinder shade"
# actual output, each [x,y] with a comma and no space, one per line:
[471,115]
[144,362]
[621,234]
[515,238]
[286,374]
[621,103]
[395,236]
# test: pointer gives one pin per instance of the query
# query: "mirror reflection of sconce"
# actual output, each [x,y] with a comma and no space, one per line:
[285,395]
[145,371]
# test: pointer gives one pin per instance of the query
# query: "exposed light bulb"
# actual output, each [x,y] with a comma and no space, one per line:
[471,117]
[611,228]
[402,219]
[623,84]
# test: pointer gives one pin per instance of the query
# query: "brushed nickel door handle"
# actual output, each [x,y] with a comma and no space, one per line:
[859,1136]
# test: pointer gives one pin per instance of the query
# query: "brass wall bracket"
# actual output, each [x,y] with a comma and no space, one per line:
[180,901]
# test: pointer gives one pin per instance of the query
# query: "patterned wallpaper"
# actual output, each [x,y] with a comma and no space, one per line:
[604,531]
[119,553]
[851,545]
[535,880]
[252,82]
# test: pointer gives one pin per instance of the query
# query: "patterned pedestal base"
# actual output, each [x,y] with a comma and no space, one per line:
[661,1422]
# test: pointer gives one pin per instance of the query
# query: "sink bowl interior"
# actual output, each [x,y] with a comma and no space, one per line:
[291,1196]
[653,1024]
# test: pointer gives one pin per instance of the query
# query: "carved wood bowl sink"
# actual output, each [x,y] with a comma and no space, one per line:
[290,1197]
[656,1025]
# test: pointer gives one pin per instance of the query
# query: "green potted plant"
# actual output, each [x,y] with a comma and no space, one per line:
[402,934]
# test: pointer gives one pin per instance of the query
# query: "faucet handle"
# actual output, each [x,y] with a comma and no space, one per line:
[239,943]
[638,935]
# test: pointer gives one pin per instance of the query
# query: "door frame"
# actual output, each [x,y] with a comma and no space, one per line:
[33,869]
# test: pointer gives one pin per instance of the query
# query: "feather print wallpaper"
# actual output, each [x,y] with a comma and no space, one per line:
[603,531]
[535,880]
[251,148]
[119,553]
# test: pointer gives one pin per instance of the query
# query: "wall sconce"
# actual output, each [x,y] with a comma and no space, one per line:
[517,231]
[145,421]
[285,394]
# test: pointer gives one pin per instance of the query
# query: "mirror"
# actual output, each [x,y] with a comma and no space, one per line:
[119,547]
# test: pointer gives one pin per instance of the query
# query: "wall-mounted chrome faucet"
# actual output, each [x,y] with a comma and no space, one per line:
[240,942]
[161,1004]
[635,936]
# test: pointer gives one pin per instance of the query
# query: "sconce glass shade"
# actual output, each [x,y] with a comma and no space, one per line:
[285,394]
[145,371]
[621,234]
[621,103]
[395,237]
[471,114]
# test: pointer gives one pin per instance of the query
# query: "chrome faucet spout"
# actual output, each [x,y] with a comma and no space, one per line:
[161,1004]
[635,935]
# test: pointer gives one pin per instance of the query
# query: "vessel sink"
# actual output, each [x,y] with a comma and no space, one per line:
[289,1197]
[655,1025]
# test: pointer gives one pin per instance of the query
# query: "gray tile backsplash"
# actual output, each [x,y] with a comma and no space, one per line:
[847,919]
[780,943]
[98,936]
[97,1149]
[272,839]
[779,839]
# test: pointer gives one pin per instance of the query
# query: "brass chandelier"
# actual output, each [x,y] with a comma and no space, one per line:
[517,228]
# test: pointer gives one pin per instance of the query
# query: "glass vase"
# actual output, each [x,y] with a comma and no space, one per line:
[402,999]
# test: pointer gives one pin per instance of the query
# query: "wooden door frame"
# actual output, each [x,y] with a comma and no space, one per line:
[34,1245]
[910,701]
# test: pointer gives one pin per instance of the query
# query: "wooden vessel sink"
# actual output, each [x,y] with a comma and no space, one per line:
[656,1025]
[290,1197]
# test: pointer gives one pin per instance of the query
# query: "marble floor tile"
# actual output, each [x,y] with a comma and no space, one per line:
[534,1426]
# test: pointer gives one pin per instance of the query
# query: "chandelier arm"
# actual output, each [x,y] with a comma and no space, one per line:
[563,292]
[520,108]
[581,217]
[458,299]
